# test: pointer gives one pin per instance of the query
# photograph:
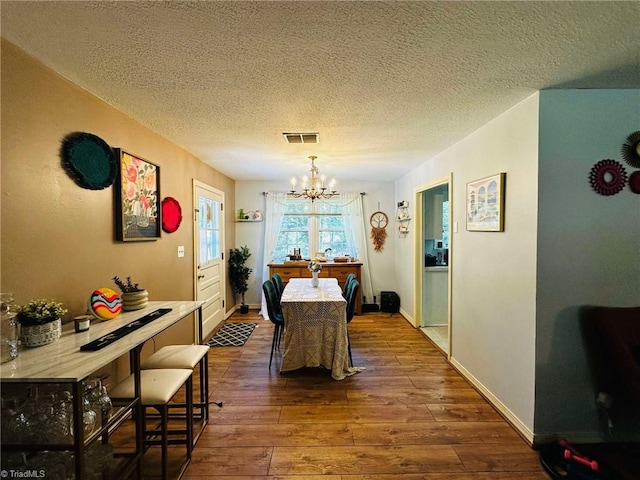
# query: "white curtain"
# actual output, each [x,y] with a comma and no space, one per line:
[356,231]
[275,203]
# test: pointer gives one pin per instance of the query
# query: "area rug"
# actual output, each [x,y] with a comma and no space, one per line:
[232,335]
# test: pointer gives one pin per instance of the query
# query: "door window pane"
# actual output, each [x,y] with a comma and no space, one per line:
[209,224]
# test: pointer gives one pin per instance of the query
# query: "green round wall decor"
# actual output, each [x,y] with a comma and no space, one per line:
[89,160]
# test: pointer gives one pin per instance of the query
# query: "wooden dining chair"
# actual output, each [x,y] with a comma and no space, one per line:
[352,295]
[277,282]
[274,310]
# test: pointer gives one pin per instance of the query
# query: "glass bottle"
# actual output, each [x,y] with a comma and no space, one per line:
[8,328]
[105,404]
[89,415]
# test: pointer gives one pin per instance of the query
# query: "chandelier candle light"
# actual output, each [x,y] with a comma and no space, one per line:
[316,188]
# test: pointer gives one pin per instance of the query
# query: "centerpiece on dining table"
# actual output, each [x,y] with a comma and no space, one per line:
[315,267]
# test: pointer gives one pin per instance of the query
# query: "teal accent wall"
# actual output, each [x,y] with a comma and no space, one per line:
[588,250]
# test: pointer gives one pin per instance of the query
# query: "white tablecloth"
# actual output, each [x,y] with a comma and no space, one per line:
[315,322]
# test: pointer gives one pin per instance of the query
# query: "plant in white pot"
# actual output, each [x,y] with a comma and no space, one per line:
[239,273]
[133,296]
[40,322]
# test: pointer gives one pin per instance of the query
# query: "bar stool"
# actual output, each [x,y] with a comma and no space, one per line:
[185,356]
[157,388]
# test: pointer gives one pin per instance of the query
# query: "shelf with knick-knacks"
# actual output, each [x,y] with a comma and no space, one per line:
[403,217]
[249,216]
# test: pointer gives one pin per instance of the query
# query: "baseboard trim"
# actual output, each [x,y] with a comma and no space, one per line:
[508,415]
[252,306]
[585,437]
[407,317]
[573,437]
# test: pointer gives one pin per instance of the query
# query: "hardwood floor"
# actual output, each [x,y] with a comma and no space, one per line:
[408,416]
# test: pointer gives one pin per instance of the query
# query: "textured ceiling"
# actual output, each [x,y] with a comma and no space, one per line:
[387,84]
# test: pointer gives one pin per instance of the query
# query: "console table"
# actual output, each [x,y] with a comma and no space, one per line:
[337,270]
[64,364]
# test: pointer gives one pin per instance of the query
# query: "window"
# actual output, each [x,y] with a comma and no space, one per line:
[312,227]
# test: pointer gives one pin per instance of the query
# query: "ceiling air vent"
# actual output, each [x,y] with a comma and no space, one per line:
[302,137]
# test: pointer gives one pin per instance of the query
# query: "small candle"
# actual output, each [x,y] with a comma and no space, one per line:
[293,184]
[82,323]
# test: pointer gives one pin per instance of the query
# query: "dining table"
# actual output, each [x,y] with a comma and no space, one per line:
[315,327]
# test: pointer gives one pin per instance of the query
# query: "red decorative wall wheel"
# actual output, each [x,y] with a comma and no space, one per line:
[171,214]
[608,177]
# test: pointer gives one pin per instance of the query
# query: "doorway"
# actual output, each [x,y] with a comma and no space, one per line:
[209,254]
[433,249]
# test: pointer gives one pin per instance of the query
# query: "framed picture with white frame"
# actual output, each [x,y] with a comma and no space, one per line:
[485,204]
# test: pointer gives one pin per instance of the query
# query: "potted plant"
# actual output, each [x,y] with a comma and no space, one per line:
[239,273]
[133,296]
[40,322]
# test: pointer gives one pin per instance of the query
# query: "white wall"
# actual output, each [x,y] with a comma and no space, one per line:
[493,283]
[249,197]
[588,249]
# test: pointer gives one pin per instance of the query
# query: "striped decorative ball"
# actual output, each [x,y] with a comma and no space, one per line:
[105,303]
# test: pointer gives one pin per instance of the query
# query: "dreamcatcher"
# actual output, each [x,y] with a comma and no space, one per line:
[378,221]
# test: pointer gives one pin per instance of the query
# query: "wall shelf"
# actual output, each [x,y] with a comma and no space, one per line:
[403,218]
[248,216]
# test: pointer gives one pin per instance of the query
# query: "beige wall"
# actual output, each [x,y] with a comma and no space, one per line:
[493,294]
[58,238]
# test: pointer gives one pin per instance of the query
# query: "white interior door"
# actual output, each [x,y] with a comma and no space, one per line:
[209,259]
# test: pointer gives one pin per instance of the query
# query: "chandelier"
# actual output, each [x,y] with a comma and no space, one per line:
[313,187]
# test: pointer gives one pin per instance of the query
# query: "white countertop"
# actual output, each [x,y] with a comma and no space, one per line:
[437,268]
[62,360]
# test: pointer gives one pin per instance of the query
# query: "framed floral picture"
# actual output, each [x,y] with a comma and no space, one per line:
[137,196]
[485,204]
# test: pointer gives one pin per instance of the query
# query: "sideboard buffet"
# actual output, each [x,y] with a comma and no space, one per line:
[337,270]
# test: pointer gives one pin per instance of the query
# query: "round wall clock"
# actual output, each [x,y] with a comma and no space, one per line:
[171,214]
[89,160]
